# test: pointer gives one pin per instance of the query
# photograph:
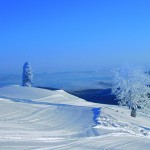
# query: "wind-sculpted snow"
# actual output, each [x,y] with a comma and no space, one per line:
[96,112]
[32,118]
[109,122]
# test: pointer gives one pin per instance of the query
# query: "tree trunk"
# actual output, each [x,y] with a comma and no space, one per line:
[133,112]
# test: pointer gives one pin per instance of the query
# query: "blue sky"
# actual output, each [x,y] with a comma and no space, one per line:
[68,35]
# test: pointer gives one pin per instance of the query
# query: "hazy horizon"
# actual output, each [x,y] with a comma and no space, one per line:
[69,81]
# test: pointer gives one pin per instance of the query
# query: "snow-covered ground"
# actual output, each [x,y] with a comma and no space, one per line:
[32,118]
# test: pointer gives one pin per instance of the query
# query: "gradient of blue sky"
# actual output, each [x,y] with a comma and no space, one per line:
[62,35]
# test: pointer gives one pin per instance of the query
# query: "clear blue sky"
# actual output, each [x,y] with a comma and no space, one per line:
[57,35]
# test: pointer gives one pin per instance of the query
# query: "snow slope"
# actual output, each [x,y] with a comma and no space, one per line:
[32,118]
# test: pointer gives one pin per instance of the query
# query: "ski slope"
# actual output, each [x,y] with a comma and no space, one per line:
[39,119]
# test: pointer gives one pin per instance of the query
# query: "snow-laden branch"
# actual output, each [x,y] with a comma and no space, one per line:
[131,87]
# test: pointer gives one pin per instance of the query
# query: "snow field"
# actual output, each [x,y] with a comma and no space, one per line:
[32,118]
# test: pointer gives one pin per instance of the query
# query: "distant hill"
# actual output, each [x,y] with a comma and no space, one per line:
[103,96]
[48,88]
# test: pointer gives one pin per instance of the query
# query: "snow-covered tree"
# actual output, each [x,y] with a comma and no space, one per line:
[27,76]
[131,87]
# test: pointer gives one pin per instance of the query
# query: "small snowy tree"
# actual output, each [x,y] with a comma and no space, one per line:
[27,77]
[131,87]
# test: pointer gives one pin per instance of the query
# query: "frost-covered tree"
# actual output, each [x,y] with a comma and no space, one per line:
[27,76]
[131,87]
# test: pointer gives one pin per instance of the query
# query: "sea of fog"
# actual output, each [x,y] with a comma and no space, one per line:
[63,80]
